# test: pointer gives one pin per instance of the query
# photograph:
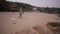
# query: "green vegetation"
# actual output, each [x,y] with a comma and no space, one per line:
[15,5]
[51,10]
[7,5]
[3,5]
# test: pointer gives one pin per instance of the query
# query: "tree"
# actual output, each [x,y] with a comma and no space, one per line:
[3,5]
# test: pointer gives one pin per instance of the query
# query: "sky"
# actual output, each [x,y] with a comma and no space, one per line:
[40,3]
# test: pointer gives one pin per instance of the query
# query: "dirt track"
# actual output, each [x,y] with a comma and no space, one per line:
[10,22]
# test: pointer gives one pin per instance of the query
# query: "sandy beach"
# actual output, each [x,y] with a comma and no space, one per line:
[10,23]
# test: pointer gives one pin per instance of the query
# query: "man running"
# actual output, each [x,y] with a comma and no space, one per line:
[20,12]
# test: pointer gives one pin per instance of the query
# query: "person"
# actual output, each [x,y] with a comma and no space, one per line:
[20,12]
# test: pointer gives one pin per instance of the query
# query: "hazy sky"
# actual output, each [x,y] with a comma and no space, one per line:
[41,3]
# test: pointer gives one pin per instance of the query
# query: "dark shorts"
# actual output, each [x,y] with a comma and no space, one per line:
[20,13]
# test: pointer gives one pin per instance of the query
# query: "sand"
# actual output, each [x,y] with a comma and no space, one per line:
[11,23]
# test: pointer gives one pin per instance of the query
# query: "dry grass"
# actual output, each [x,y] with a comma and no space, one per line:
[58,15]
[25,32]
[39,29]
[54,26]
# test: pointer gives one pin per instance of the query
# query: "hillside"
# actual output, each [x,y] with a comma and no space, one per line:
[14,5]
